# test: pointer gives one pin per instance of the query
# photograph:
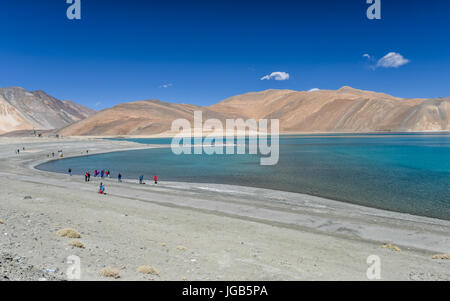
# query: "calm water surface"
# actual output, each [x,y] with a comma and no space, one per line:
[400,172]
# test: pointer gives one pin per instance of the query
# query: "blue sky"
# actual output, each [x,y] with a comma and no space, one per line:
[201,52]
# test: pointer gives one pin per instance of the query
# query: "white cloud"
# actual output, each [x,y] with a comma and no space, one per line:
[165,86]
[392,60]
[276,76]
[314,90]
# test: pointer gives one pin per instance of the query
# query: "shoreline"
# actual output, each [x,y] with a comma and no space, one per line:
[237,186]
[305,134]
[234,187]
[327,222]
[220,187]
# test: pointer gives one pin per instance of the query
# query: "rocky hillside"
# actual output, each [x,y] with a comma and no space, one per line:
[24,110]
[146,117]
[343,110]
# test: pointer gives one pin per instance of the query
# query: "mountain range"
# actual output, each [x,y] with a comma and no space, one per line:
[24,110]
[325,111]
[343,110]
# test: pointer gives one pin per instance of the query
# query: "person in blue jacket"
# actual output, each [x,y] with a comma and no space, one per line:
[102,189]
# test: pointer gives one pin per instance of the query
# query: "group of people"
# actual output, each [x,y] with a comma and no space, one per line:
[107,173]
[141,179]
[52,154]
[102,173]
[18,150]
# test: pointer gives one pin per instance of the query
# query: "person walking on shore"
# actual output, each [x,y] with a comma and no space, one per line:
[70,171]
[86,176]
[156,179]
[89,176]
[119,177]
[141,179]
[102,189]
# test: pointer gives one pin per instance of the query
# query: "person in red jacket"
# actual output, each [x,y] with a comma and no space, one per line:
[101,189]
[156,179]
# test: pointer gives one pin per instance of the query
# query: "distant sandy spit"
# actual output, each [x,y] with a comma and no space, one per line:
[242,134]
[188,231]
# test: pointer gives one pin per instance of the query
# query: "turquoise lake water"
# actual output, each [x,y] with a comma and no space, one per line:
[400,172]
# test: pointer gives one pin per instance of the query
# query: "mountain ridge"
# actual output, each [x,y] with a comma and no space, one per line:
[24,110]
[343,110]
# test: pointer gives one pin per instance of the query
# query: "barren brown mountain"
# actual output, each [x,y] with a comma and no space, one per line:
[137,118]
[24,110]
[344,110]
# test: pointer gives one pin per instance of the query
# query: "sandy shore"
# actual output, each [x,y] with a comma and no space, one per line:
[192,231]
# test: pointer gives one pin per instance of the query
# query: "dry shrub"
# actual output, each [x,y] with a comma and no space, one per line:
[109,272]
[163,244]
[391,247]
[1,221]
[181,248]
[441,256]
[145,269]
[67,232]
[76,244]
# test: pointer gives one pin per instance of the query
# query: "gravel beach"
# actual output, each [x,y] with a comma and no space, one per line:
[189,231]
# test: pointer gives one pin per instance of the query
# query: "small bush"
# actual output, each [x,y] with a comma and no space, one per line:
[181,248]
[110,273]
[391,247]
[441,256]
[145,269]
[76,244]
[69,233]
